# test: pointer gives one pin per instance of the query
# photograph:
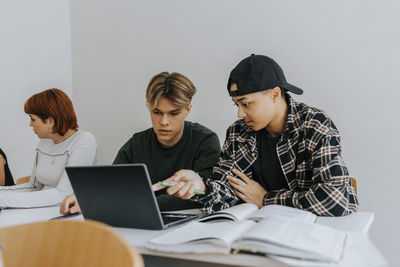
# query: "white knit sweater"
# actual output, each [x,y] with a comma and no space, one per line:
[49,183]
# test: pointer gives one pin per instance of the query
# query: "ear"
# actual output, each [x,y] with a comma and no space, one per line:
[50,121]
[188,109]
[276,94]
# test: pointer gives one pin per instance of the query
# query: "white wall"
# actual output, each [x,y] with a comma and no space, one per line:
[35,54]
[344,54]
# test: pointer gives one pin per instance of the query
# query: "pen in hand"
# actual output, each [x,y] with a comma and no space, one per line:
[197,192]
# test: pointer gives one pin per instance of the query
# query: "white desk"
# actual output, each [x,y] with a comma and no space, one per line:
[359,250]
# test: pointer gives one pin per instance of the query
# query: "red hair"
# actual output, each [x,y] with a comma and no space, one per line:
[56,104]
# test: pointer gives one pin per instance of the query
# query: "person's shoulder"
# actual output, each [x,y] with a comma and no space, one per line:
[314,119]
[310,113]
[81,139]
[199,129]
[145,134]
[199,135]
[84,136]
[142,137]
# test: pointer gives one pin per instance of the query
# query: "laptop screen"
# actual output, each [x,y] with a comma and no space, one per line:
[119,195]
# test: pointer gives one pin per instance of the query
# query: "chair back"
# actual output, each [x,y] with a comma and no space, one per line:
[354,182]
[23,180]
[66,243]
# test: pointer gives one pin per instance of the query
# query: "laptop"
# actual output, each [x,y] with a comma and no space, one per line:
[121,196]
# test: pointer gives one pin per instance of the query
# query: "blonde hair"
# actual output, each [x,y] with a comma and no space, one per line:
[175,87]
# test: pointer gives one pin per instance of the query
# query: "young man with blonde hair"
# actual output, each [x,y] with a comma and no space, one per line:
[172,145]
[279,151]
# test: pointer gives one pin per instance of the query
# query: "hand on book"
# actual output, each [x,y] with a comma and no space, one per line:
[70,205]
[184,183]
[247,189]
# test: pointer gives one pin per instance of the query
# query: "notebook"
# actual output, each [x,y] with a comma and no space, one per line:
[121,196]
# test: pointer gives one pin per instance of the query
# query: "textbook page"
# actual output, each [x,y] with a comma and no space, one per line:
[235,213]
[286,237]
[355,222]
[283,211]
[198,237]
[358,252]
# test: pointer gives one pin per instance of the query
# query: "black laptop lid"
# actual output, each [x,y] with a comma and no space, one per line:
[119,195]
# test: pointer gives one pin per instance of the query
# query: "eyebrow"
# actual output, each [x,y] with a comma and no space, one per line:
[170,111]
[240,99]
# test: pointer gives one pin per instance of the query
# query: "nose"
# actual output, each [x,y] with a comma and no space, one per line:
[241,114]
[30,123]
[164,120]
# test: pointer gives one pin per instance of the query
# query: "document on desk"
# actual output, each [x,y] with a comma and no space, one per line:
[355,222]
[11,217]
[272,235]
[252,212]
[358,252]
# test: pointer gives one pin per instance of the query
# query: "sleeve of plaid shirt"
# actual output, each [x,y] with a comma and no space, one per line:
[331,192]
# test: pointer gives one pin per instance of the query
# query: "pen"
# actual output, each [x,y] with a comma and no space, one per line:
[197,192]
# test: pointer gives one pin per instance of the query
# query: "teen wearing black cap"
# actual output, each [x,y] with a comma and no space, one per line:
[278,152]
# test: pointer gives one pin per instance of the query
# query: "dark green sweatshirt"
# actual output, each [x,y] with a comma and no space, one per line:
[197,150]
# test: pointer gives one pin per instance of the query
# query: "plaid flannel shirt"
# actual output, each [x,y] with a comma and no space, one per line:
[310,155]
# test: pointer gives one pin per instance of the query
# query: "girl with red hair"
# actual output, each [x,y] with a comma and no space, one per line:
[61,144]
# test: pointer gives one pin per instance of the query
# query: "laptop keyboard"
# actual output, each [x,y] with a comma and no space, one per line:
[172,218]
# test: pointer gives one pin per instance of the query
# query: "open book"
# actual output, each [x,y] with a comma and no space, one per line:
[275,235]
[251,211]
[355,222]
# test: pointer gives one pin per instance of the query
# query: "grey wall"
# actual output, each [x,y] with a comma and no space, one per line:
[35,54]
[344,54]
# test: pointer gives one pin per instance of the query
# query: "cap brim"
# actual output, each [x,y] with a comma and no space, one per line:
[294,89]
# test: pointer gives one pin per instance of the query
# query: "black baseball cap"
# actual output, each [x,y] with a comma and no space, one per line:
[258,73]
